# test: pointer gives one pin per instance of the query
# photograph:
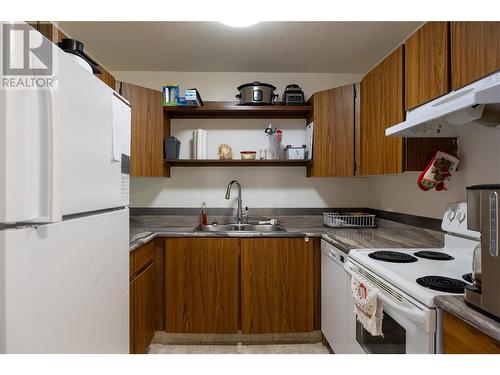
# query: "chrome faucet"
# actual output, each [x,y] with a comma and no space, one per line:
[240,216]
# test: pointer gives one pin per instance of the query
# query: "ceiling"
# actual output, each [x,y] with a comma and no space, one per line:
[310,47]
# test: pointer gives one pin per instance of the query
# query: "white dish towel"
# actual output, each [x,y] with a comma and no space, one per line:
[367,307]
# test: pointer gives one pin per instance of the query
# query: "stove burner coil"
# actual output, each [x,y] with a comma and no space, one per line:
[442,284]
[467,277]
[392,256]
[433,255]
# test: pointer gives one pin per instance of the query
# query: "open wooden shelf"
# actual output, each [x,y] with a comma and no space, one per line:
[234,110]
[237,163]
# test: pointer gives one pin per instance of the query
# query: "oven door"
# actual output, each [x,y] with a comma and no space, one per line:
[407,326]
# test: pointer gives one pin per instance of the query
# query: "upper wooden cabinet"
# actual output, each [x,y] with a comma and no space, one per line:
[382,107]
[427,64]
[333,116]
[277,285]
[475,51]
[146,157]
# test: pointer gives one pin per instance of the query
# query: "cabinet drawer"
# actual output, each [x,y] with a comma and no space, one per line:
[141,257]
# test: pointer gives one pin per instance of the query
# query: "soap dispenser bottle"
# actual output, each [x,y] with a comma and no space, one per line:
[203,214]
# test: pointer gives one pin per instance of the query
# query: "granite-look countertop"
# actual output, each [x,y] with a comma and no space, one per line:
[388,234]
[456,305]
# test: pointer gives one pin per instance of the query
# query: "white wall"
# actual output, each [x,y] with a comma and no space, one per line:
[479,152]
[262,187]
[240,134]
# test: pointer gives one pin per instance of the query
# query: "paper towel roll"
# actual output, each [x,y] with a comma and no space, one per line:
[204,141]
[199,144]
[195,142]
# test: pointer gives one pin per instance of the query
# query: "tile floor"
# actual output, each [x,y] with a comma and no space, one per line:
[312,348]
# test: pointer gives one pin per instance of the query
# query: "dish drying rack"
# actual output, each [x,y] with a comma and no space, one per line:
[349,220]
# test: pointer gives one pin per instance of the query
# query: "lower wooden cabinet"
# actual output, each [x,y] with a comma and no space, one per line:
[202,284]
[461,338]
[142,318]
[277,285]
[146,298]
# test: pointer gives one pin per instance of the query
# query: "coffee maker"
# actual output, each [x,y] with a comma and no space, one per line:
[482,215]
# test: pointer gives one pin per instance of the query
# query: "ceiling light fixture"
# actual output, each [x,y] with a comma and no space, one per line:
[240,23]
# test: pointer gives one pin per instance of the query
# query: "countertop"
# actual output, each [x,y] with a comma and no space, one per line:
[456,305]
[388,234]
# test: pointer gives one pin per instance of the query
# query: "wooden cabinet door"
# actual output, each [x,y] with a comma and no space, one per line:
[382,107]
[333,116]
[475,51]
[146,157]
[461,338]
[142,309]
[202,283]
[426,64]
[276,285]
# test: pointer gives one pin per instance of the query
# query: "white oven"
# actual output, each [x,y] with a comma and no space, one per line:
[408,326]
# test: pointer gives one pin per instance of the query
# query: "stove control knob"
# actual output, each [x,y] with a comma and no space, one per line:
[451,215]
[461,216]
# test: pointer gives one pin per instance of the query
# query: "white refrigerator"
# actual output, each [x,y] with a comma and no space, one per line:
[64,222]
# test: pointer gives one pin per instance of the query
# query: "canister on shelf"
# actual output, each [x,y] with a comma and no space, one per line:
[295,152]
[172,148]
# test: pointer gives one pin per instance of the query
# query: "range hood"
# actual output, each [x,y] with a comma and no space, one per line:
[477,103]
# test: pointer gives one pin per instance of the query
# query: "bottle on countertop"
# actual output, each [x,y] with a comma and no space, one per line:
[203,214]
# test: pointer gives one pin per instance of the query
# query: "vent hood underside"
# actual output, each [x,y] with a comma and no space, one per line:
[478,103]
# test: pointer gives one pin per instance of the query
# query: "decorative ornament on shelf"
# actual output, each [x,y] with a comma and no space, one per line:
[438,172]
[225,152]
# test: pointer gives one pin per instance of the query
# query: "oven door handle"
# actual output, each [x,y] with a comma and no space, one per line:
[415,315]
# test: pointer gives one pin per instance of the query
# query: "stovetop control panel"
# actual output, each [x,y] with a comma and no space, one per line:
[455,220]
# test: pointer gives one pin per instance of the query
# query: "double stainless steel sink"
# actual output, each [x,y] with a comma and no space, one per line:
[240,228]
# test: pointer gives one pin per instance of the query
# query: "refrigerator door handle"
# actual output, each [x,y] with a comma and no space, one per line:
[51,200]
[54,196]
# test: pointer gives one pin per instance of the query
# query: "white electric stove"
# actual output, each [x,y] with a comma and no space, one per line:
[409,279]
